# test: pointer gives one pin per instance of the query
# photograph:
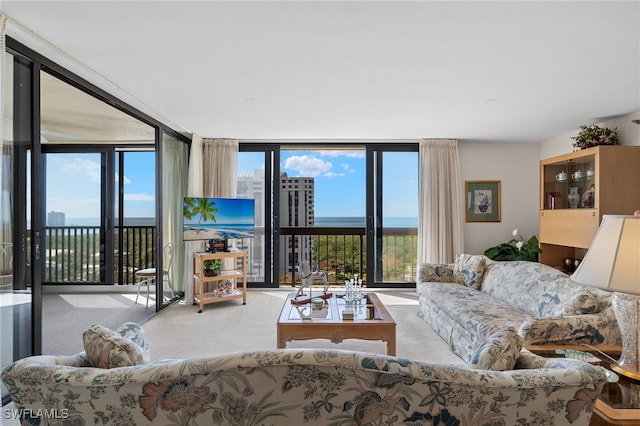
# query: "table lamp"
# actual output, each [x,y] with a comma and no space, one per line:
[613,263]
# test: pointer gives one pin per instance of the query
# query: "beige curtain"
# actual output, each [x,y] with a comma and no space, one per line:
[213,165]
[440,208]
[220,167]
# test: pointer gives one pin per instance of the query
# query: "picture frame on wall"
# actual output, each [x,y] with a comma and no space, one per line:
[482,202]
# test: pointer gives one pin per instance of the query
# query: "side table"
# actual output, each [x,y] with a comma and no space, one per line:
[618,405]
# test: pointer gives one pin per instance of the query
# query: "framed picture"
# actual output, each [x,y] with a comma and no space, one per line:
[483,200]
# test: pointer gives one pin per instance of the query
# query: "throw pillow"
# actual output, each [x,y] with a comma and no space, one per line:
[498,352]
[470,269]
[106,348]
[134,332]
[436,272]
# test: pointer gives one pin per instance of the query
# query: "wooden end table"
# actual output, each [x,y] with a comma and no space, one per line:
[300,322]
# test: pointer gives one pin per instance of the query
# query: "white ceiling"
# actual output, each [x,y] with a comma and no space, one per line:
[501,71]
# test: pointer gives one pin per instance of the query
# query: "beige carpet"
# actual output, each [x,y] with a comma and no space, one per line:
[66,316]
[181,332]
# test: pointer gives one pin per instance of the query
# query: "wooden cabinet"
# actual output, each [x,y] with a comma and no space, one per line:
[225,285]
[606,180]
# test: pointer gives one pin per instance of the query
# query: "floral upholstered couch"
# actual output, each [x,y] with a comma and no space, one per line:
[467,301]
[299,387]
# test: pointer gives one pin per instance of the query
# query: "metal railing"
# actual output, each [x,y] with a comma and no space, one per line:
[341,252]
[73,254]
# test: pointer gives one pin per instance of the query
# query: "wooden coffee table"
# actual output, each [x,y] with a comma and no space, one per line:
[300,322]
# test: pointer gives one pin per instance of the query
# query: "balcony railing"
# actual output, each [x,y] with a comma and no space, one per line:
[341,252]
[73,254]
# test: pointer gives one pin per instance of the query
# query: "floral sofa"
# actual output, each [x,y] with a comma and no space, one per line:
[292,387]
[467,301]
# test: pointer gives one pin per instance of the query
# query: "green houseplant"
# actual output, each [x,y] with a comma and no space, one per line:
[212,267]
[515,249]
[594,135]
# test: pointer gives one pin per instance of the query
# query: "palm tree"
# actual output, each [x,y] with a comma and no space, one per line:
[205,207]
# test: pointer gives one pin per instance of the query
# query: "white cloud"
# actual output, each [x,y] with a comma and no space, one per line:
[356,153]
[126,179]
[81,167]
[308,165]
[139,197]
[331,174]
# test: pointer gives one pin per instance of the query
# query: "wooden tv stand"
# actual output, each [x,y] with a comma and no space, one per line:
[204,296]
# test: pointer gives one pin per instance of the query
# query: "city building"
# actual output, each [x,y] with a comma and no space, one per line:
[55,218]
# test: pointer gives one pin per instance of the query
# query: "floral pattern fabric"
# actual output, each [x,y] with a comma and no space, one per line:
[470,268]
[540,290]
[499,351]
[105,348]
[532,298]
[437,272]
[304,387]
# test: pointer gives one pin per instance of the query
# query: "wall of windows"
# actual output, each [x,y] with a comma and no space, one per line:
[95,158]
[346,208]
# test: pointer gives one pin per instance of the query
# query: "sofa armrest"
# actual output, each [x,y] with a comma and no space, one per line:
[528,360]
[594,329]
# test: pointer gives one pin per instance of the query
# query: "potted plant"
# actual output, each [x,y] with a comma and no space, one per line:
[212,267]
[594,135]
[515,249]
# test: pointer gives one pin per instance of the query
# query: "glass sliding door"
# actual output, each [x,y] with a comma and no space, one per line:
[77,228]
[393,209]
[16,302]
[135,211]
[322,211]
[258,165]
[174,155]
[251,184]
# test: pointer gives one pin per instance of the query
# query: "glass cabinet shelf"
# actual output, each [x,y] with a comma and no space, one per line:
[570,184]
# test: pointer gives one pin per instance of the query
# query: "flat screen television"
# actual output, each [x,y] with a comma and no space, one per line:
[217,220]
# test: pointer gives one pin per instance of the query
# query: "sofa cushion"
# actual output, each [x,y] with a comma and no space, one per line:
[470,269]
[106,348]
[540,290]
[134,332]
[498,352]
[437,272]
[465,317]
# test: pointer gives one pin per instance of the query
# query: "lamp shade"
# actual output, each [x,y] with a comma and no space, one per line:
[613,260]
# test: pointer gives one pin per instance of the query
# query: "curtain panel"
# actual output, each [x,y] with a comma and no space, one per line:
[213,168]
[440,208]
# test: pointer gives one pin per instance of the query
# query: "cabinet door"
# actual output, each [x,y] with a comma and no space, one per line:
[568,227]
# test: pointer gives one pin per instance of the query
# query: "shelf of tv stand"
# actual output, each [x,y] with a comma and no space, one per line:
[202,297]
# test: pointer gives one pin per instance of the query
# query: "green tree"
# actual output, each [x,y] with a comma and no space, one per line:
[205,207]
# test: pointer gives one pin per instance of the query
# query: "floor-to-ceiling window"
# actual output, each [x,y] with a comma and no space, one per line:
[395,213]
[95,161]
[15,295]
[251,183]
[348,209]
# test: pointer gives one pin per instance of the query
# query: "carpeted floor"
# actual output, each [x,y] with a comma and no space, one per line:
[66,316]
[180,332]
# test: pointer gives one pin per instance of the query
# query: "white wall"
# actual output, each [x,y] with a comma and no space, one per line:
[628,134]
[517,167]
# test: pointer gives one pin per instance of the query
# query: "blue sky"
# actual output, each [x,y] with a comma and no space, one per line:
[340,181]
[73,181]
[73,184]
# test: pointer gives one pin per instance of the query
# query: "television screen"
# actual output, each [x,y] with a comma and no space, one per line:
[218,218]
